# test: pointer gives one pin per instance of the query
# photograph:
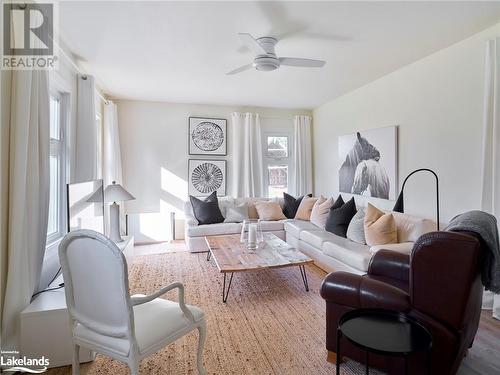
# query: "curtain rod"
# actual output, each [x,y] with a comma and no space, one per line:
[77,68]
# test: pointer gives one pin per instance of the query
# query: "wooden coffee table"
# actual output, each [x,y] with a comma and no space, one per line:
[232,256]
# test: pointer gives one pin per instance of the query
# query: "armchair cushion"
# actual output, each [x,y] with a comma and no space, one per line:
[357,291]
[156,323]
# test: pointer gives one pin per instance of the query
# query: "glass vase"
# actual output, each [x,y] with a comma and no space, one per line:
[251,234]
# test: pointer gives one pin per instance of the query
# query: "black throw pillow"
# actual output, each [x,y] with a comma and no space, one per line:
[339,202]
[207,211]
[291,205]
[339,218]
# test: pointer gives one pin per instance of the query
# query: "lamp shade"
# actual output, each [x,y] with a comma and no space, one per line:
[116,193]
[400,206]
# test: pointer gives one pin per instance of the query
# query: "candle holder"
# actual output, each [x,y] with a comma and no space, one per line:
[251,234]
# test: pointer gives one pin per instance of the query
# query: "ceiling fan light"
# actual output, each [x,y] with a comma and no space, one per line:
[266,63]
[266,67]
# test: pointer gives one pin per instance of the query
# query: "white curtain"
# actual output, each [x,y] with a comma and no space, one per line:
[85,153]
[490,198]
[112,160]
[248,173]
[302,154]
[28,206]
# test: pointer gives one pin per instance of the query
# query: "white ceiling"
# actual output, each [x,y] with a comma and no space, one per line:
[180,51]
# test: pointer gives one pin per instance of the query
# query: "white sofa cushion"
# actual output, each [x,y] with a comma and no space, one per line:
[213,229]
[294,227]
[410,227]
[316,237]
[403,247]
[351,253]
[267,226]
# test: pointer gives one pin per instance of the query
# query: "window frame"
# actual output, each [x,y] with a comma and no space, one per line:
[100,142]
[59,148]
[270,161]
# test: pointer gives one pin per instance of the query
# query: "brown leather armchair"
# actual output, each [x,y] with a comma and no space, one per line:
[439,285]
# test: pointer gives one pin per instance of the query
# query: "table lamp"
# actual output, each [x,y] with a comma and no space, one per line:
[114,193]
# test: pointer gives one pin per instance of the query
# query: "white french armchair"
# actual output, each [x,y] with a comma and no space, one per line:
[105,318]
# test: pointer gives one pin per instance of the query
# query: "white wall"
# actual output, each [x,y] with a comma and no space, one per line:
[437,103]
[154,140]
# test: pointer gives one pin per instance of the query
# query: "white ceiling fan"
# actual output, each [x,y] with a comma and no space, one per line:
[265,57]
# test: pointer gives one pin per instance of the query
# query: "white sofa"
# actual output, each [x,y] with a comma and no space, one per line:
[329,251]
[194,234]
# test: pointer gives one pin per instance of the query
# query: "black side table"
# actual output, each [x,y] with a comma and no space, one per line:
[384,332]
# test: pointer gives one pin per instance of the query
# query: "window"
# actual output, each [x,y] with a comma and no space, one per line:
[57,163]
[277,161]
[277,147]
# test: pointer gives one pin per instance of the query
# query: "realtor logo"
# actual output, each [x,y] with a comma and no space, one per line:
[12,362]
[28,35]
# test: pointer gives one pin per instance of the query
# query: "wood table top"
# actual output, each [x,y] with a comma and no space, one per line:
[232,256]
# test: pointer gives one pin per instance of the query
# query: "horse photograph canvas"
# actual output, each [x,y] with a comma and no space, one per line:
[368,163]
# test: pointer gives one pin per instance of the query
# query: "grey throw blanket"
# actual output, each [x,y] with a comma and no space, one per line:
[485,226]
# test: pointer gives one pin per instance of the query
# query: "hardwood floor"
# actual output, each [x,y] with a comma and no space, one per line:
[483,358]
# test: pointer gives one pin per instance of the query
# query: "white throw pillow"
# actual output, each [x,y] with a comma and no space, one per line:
[224,203]
[236,213]
[356,228]
[320,211]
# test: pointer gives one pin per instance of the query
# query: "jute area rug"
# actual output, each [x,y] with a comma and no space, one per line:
[269,325]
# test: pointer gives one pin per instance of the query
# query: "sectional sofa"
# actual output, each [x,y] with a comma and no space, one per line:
[329,251]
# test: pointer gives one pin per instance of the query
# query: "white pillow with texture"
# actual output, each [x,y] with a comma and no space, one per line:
[236,213]
[224,203]
[356,228]
[320,211]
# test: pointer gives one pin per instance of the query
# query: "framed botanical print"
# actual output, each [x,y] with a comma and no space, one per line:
[206,176]
[207,136]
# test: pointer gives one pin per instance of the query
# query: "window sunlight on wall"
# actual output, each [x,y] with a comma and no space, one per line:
[157,226]
[174,185]
[150,227]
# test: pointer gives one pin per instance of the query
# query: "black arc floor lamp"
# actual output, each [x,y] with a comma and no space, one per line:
[399,206]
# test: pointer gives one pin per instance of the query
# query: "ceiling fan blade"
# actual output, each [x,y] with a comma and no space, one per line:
[240,69]
[252,44]
[308,63]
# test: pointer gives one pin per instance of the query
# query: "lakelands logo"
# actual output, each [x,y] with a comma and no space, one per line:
[10,361]
[28,35]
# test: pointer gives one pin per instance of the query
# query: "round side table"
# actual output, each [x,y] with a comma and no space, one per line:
[383,332]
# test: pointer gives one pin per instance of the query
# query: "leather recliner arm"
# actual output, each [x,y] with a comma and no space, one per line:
[391,264]
[357,291]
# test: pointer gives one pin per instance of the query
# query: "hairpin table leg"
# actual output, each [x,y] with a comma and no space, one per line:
[302,269]
[225,293]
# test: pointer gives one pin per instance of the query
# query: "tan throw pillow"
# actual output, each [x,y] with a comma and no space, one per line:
[380,227]
[269,211]
[320,211]
[252,211]
[305,208]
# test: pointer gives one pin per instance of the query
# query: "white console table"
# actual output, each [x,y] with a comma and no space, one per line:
[45,325]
